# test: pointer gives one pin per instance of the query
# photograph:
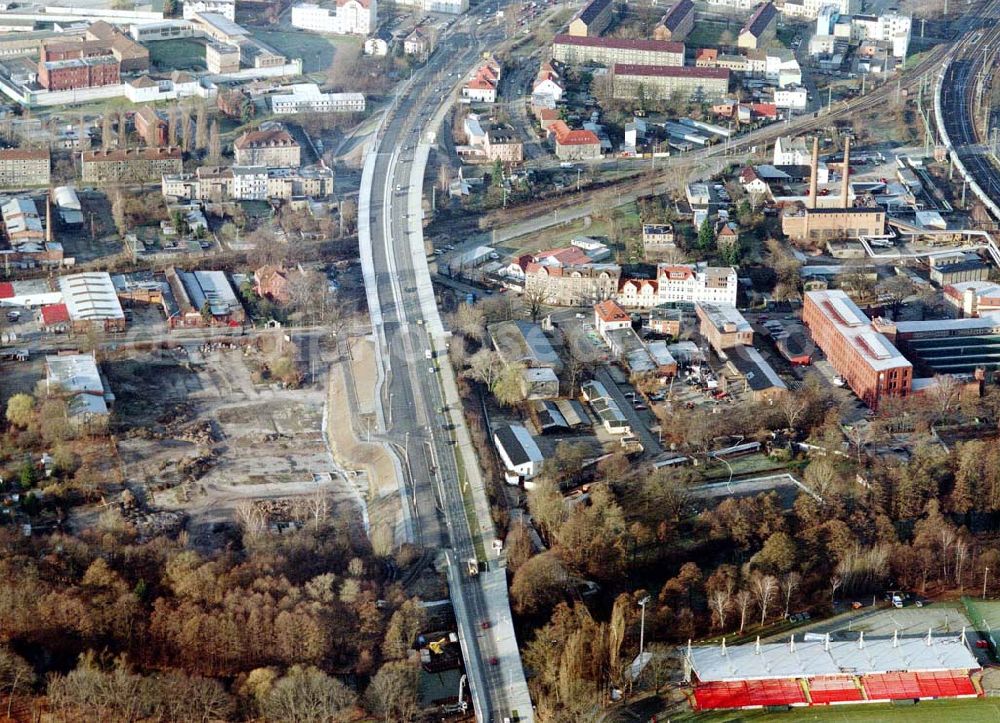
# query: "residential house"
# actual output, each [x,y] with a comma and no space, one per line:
[574,145]
[608,316]
[519,452]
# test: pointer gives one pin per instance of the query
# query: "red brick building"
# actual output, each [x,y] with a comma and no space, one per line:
[867,361]
[151,127]
[272,282]
[74,73]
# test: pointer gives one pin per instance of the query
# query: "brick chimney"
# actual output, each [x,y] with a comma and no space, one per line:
[845,183]
[814,175]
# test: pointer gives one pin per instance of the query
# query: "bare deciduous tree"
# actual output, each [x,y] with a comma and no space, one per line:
[720,601]
[744,598]
[789,584]
[764,588]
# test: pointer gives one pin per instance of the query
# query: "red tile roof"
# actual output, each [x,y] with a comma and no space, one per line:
[608,312]
[663,46]
[559,128]
[671,71]
[480,84]
[578,138]
[768,110]
[22,154]
[551,114]
[676,272]
[55,314]
[6,290]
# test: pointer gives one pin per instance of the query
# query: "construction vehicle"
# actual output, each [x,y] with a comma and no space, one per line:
[437,646]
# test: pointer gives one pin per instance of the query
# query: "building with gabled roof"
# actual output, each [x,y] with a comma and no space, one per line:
[203,298]
[759,28]
[677,23]
[271,147]
[519,452]
[592,20]
[574,145]
[92,302]
[77,379]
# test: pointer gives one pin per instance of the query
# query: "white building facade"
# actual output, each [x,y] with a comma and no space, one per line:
[348,17]
[307,98]
[713,285]
[225,8]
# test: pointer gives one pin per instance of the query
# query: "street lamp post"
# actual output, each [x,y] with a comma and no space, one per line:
[642,627]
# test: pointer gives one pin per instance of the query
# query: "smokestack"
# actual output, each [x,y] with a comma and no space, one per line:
[846,180]
[814,175]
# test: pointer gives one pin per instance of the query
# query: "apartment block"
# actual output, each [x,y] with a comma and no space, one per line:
[574,50]
[24,168]
[707,84]
[132,165]
[273,147]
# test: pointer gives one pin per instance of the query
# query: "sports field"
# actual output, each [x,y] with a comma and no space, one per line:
[973,710]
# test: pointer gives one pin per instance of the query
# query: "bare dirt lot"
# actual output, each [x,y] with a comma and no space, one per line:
[201,434]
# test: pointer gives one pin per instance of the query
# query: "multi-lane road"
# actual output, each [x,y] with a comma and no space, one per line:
[419,418]
[415,415]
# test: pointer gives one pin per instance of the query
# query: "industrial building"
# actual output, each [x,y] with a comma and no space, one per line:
[948,346]
[203,298]
[867,360]
[723,326]
[842,222]
[524,342]
[77,379]
[92,302]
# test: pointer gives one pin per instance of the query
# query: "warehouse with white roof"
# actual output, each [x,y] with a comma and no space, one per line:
[92,302]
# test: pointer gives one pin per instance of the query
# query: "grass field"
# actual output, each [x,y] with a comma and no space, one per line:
[317,51]
[179,54]
[976,710]
[706,33]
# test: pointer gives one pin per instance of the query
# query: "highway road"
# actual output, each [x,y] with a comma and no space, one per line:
[417,419]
